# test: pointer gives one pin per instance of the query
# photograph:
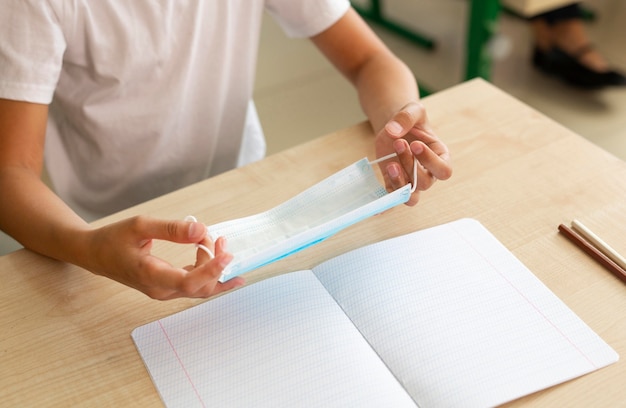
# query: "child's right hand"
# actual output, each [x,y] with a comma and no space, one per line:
[122,252]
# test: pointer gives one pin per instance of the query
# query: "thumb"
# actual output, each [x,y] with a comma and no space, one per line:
[183,232]
[412,114]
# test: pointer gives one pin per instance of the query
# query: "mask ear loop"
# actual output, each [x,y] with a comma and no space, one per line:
[206,249]
[389,156]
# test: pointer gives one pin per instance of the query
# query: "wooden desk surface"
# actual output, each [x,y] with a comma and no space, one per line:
[65,337]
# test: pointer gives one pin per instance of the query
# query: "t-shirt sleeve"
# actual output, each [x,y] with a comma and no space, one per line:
[31,50]
[306,18]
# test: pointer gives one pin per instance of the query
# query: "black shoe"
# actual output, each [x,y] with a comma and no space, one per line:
[542,61]
[558,63]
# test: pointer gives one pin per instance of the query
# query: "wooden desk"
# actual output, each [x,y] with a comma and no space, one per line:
[65,337]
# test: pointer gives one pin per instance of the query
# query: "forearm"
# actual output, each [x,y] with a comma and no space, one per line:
[383,82]
[33,215]
[385,85]
[37,218]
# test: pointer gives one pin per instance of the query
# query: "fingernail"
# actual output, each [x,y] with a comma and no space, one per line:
[417,148]
[224,260]
[394,127]
[196,229]
[393,171]
[400,146]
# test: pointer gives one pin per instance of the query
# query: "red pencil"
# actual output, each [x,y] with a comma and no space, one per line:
[591,250]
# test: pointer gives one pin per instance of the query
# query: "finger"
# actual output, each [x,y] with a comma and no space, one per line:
[232,284]
[220,245]
[172,230]
[432,142]
[413,200]
[407,161]
[394,176]
[411,115]
[215,249]
[424,133]
[214,287]
[437,165]
[198,283]
[158,278]
[211,290]
[202,256]
[204,275]
[425,179]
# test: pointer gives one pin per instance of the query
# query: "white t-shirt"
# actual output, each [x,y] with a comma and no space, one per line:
[145,96]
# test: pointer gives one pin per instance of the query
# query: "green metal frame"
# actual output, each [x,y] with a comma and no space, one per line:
[482,26]
[375,14]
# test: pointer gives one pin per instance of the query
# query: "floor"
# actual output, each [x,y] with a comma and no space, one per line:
[299,96]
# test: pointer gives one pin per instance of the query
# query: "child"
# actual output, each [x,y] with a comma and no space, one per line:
[134,99]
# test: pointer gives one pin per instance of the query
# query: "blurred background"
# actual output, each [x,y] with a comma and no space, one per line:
[299,96]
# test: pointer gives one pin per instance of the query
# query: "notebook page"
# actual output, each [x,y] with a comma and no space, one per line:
[282,342]
[459,320]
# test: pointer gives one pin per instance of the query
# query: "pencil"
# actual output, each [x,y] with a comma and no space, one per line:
[614,268]
[602,246]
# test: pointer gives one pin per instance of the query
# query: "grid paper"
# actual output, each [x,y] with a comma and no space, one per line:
[447,314]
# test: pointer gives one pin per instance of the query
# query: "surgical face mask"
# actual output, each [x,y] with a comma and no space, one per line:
[341,200]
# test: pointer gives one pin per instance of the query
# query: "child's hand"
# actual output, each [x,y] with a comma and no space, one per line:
[410,136]
[121,251]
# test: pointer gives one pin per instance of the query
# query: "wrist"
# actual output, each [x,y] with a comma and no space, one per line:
[71,244]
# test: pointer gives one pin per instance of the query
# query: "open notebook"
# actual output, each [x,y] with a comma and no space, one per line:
[445,316]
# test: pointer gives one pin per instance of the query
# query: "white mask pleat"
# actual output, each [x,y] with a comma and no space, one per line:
[342,199]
